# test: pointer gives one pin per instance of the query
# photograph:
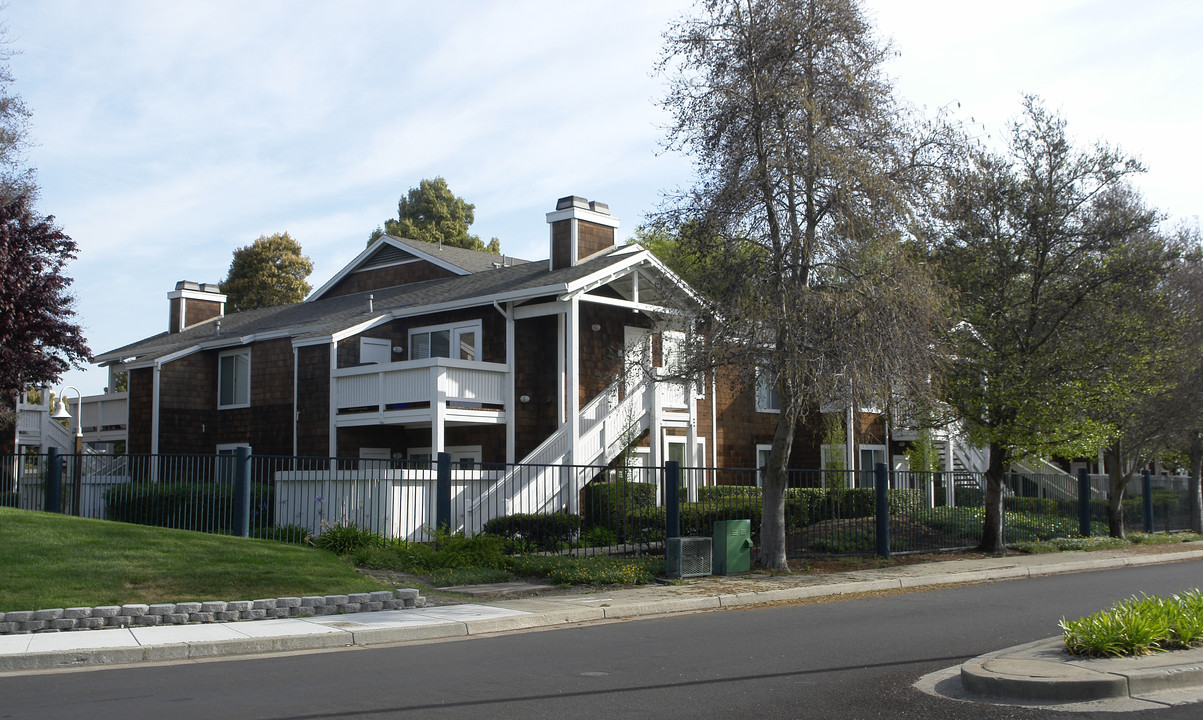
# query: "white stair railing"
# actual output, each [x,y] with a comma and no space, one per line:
[1054,481]
[541,482]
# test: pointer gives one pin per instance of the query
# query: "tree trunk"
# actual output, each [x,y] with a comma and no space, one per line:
[772,517]
[1117,481]
[1196,469]
[992,525]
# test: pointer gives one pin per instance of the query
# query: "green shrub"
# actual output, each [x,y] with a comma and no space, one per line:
[1138,626]
[533,532]
[201,506]
[606,503]
[598,536]
[344,538]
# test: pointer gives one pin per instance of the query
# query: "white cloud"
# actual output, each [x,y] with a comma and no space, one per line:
[169,133]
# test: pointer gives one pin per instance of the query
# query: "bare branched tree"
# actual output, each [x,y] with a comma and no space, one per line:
[807,169]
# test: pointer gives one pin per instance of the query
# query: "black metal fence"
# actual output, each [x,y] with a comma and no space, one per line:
[564,508]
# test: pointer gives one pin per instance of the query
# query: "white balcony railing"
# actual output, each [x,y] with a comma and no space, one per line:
[401,385]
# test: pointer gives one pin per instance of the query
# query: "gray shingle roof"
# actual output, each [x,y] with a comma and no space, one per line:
[321,318]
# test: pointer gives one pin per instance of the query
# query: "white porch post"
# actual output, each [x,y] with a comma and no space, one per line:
[332,443]
[573,395]
[511,404]
[850,447]
[438,407]
[691,439]
[950,493]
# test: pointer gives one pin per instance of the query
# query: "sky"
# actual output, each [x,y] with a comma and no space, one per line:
[167,134]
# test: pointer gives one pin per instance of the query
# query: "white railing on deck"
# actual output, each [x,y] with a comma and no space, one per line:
[418,381]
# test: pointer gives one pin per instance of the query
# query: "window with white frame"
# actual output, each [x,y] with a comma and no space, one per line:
[768,399]
[461,342]
[234,379]
[763,452]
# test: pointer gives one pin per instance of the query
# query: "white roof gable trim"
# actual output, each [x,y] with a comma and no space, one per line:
[362,257]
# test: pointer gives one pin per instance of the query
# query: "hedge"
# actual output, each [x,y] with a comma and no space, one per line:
[204,507]
[531,532]
[606,503]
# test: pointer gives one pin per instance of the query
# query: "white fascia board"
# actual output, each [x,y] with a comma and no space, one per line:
[659,265]
[639,260]
[307,342]
[347,269]
[541,310]
[583,214]
[196,295]
[360,327]
[642,307]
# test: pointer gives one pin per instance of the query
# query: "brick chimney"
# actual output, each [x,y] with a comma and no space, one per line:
[580,228]
[192,303]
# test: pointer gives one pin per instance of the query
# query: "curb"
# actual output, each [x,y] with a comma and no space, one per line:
[1043,671]
[1038,677]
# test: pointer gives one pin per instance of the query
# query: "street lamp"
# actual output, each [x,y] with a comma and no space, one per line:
[60,413]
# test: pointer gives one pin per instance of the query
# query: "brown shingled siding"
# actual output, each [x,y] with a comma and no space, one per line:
[198,311]
[141,391]
[561,244]
[313,400]
[386,277]
[592,238]
[535,375]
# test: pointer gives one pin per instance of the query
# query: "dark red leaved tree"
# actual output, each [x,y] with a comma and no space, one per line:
[38,341]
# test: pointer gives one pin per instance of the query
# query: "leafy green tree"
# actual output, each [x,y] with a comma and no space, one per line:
[432,213]
[270,271]
[805,166]
[1045,246]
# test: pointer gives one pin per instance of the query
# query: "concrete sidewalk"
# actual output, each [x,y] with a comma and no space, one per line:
[90,648]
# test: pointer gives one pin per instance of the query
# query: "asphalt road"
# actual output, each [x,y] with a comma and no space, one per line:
[853,658]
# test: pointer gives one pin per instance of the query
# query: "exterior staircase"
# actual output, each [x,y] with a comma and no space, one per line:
[550,477]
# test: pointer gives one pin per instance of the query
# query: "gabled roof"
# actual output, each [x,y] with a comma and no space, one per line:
[318,320]
[390,250]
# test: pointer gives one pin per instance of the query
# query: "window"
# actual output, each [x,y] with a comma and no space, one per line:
[762,462]
[461,342]
[867,458]
[767,397]
[234,379]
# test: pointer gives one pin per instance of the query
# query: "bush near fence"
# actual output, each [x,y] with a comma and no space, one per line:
[530,532]
[200,506]
[803,506]
[606,503]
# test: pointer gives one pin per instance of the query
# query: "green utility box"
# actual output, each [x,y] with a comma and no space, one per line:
[732,546]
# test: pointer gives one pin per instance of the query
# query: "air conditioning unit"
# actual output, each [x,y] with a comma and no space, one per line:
[688,557]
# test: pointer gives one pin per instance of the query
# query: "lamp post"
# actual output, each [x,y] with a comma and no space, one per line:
[61,412]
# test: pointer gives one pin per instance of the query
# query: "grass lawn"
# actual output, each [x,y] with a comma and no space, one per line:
[51,561]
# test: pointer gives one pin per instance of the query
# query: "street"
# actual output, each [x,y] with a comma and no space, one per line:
[852,658]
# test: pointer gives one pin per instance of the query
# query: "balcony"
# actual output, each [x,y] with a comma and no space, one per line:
[418,391]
